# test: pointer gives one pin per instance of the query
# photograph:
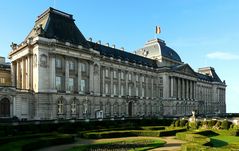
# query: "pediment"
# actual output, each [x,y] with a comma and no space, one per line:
[185,69]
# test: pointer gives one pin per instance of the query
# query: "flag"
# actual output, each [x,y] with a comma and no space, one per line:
[158,30]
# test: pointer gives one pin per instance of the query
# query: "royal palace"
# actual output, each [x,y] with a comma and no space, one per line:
[56,73]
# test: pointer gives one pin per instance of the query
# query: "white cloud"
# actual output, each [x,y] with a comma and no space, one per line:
[222,56]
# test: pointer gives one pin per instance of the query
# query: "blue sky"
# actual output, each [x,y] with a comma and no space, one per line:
[203,32]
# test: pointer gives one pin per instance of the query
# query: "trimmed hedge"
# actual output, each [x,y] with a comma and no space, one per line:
[194,138]
[153,127]
[46,142]
[127,133]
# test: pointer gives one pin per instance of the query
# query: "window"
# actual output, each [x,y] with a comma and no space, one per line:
[115,74]
[2,80]
[58,63]
[130,77]
[82,85]
[73,107]
[160,80]
[58,83]
[106,73]
[115,89]
[137,78]
[122,90]
[71,84]
[142,92]
[130,90]
[122,75]
[142,78]
[83,67]
[43,60]
[137,91]
[106,88]
[161,92]
[71,65]
[60,106]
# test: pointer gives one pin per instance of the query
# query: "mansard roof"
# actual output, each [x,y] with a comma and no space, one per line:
[58,25]
[213,78]
[123,55]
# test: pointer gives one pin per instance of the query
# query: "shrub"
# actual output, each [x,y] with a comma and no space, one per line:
[225,124]
[217,125]
[177,123]
[183,123]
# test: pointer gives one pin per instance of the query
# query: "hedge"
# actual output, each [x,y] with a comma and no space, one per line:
[153,127]
[194,138]
[46,142]
[127,133]
[8,139]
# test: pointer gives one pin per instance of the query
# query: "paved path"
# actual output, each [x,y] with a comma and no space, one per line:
[172,144]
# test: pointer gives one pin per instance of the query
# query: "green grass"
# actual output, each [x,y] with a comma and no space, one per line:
[132,144]
[223,140]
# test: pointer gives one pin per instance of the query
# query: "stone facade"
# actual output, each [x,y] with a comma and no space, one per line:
[58,74]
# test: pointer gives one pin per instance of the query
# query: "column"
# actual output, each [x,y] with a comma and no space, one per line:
[191,88]
[152,87]
[31,72]
[103,81]
[174,87]
[140,85]
[183,88]
[111,82]
[146,90]
[91,78]
[134,81]
[66,75]
[126,81]
[119,83]
[13,73]
[52,72]
[179,88]
[187,89]
[79,76]
[171,86]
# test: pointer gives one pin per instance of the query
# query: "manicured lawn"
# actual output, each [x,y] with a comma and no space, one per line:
[223,140]
[130,143]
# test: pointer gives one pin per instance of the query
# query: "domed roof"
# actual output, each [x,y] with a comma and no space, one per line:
[155,48]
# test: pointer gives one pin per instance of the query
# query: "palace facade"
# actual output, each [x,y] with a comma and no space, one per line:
[58,74]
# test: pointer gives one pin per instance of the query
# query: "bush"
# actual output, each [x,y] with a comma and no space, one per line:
[153,127]
[183,123]
[225,125]
[195,138]
[177,123]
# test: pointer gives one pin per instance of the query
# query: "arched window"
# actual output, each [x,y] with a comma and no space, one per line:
[4,108]
[60,106]
[73,106]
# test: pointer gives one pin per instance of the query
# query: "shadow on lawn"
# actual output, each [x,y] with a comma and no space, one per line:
[218,143]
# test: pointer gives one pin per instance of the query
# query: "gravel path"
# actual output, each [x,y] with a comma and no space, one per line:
[172,144]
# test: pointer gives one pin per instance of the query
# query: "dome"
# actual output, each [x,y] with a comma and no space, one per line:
[157,48]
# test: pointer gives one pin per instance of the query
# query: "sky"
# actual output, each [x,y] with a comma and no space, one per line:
[204,33]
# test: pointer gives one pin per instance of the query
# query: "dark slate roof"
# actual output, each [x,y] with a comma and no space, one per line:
[123,55]
[59,25]
[169,52]
[213,78]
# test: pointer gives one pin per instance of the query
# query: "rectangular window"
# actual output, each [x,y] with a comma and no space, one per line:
[142,78]
[122,90]
[71,84]
[161,92]
[106,88]
[122,75]
[137,78]
[142,92]
[58,63]
[130,90]
[71,65]
[82,86]
[2,80]
[58,83]
[83,67]
[106,73]
[130,77]
[137,91]
[160,80]
[115,89]
[115,74]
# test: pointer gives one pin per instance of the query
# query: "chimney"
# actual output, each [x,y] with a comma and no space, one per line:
[107,44]
[113,46]
[122,48]
[90,39]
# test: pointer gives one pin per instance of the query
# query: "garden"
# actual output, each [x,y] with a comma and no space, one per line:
[121,135]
